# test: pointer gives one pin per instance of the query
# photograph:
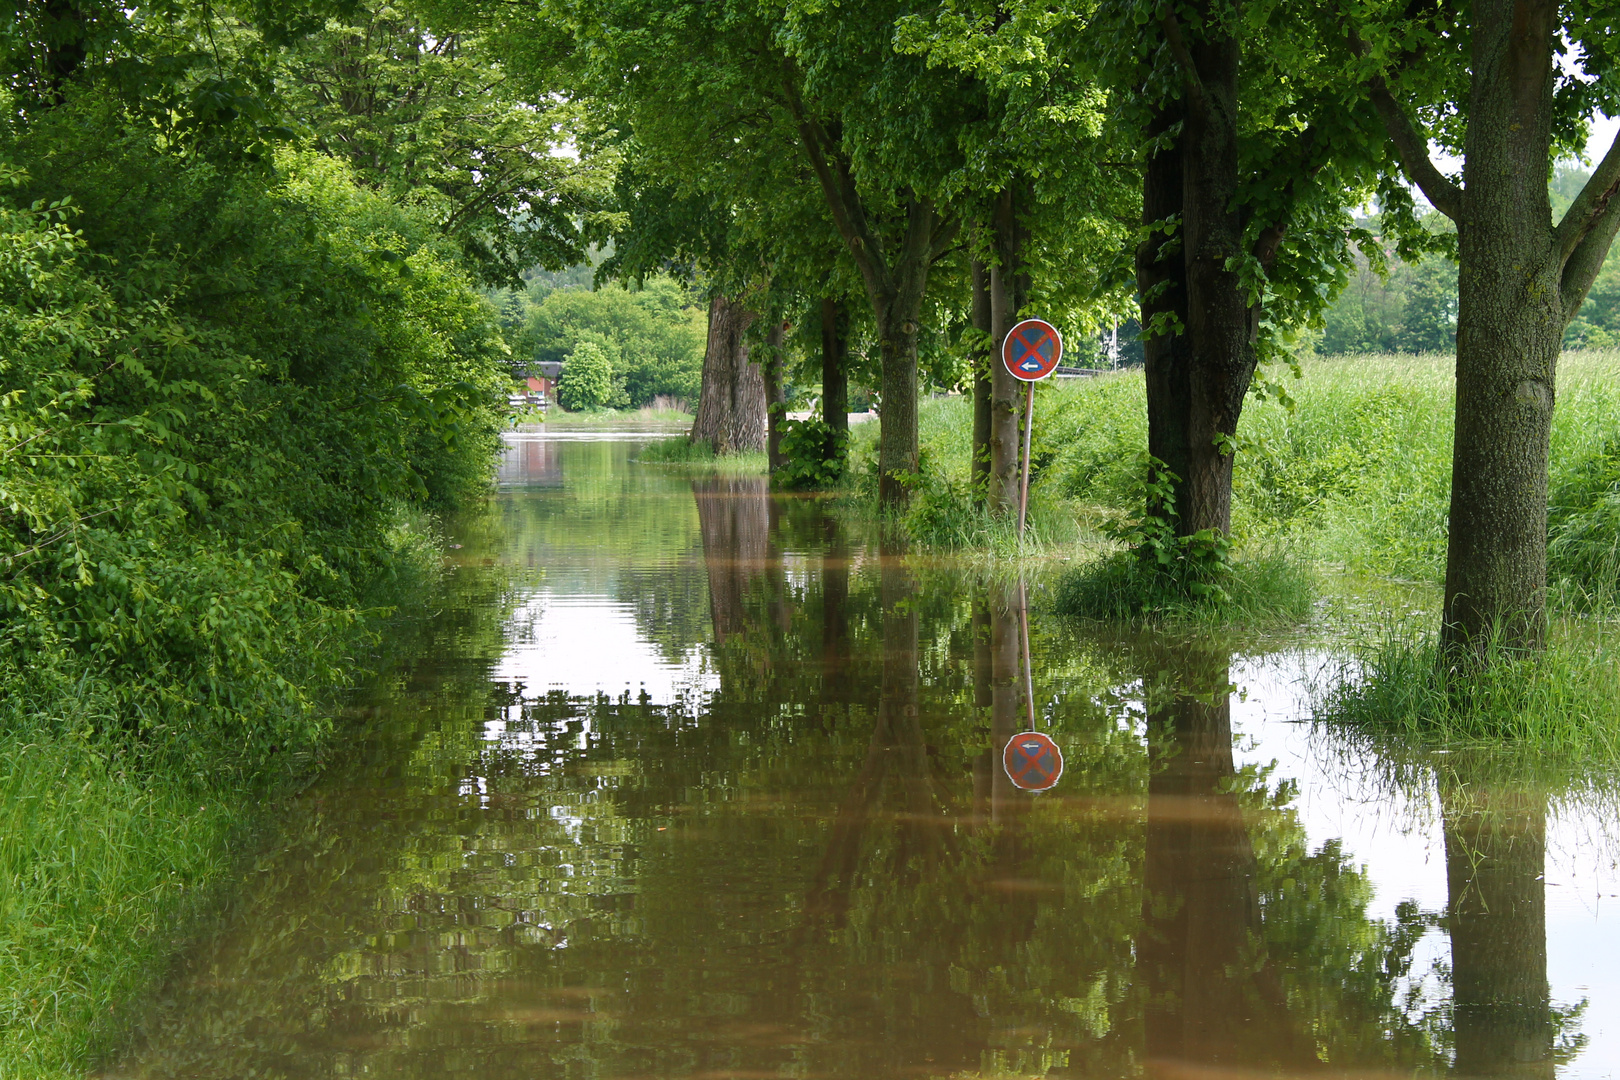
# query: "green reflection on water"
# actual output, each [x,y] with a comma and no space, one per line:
[818,868]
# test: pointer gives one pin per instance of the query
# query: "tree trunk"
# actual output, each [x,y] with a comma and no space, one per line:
[898,314]
[1008,291]
[1161,278]
[1510,325]
[1199,329]
[982,360]
[731,404]
[1495,854]
[834,364]
[1220,325]
[771,373]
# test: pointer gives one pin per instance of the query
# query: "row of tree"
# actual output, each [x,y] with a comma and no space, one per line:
[1205,155]
[921,174]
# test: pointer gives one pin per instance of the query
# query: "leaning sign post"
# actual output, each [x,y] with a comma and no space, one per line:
[1031,351]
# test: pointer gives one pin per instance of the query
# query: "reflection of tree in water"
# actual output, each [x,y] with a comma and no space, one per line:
[735,518]
[819,869]
[1255,952]
[1504,1022]
[1211,996]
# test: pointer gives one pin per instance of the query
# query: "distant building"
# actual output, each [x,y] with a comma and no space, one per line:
[542,380]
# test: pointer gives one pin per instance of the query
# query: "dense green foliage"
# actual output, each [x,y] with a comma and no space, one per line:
[655,332]
[235,387]
[588,379]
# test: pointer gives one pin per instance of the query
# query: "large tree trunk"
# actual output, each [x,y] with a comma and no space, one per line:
[1196,385]
[1161,278]
[1220,323]
[771,371]
[835,364]
[1496,844]
[731,405]
[982,359]
[897,310]
[1009,289]
[1510,325]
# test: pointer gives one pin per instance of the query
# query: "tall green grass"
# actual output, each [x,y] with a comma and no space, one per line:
[1353,473]
[100,864]
[1399,690]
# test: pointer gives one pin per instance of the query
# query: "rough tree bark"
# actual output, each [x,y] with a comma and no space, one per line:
[1201,330]
[731,404]
[1009,291]
[1161,278]
[1219,325]
[835,364]
[1521,279]
[982,360]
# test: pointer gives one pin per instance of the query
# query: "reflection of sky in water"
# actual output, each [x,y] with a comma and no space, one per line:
[1399,843]
[585,645]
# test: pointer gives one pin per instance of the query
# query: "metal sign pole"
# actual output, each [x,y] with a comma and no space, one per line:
[1029,428]
[1023,625]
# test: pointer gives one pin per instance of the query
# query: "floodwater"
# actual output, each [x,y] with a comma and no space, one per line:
[687,780]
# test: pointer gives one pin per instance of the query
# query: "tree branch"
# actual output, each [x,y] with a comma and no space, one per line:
[1184,60]
[1588,259]
[843,201]
[1592,206]
[1410,144]
[1414,151]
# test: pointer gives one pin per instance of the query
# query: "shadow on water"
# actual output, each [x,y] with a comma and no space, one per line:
[720,793]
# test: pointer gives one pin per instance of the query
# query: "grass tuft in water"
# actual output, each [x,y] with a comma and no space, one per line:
[683,451]
[1564,701]
[1263,590]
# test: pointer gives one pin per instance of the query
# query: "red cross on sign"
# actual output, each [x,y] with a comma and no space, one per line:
[1032,349]
[1033,761]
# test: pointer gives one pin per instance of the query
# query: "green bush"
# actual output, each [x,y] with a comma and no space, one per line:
[229,398]
[814,454]
[588,378]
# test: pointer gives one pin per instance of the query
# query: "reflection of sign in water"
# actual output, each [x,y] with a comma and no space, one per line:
[1032,349]
[1033,761]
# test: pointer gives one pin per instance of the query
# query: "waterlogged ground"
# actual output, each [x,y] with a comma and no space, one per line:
[689,781]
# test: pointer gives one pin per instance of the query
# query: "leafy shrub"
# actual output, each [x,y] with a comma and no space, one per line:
[588,380]
[815,454]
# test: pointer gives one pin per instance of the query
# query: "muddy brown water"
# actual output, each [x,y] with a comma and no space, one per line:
[686,780]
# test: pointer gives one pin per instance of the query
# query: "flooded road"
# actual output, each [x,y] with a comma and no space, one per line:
[685,780]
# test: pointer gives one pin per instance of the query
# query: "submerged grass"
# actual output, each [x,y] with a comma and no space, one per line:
[681,450]
[1267,589]
[1565,701]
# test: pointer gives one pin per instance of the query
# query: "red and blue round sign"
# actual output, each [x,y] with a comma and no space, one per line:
[1032,349]
[1033,761]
